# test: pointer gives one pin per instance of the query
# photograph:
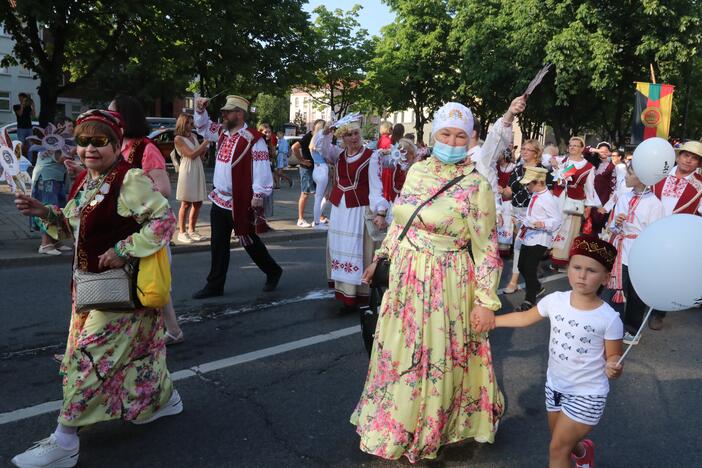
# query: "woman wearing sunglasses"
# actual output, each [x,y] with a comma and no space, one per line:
[115,362]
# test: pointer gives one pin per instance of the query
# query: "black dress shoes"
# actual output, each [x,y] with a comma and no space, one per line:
[272,281]
[204,293]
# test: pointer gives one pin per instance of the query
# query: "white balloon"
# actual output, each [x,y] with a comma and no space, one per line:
[664,263]
[653,160]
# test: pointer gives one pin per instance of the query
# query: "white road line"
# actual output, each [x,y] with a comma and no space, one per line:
[51,406]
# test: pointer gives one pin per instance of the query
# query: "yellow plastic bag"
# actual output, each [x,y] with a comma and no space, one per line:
[154,280]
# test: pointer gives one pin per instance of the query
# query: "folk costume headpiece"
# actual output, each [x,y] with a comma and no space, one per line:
[453,115]
[110,118]
[595,248]
[347,123]
[235,102]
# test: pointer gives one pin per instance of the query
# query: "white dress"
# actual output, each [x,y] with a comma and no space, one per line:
[191,176]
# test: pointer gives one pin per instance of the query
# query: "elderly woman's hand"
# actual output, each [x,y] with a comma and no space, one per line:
[482,319]
[367,276]
[110,260]
[29,206]
[518,105]
[380,222]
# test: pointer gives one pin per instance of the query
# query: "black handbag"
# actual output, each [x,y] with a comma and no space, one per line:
[381,277]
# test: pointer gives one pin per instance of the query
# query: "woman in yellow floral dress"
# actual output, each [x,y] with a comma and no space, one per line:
[430,380]
[115,362]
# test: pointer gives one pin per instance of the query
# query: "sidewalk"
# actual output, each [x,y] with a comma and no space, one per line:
[18,246]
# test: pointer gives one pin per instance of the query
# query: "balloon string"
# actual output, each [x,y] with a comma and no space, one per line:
[638,334]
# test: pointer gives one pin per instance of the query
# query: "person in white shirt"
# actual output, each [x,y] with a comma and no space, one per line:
[634,211]
[584,350]
[542,220]
[242,179]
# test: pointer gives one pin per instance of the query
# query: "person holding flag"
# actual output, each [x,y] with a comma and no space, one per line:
[575,187]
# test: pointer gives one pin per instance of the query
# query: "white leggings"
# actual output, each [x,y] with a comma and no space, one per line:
[320,175]
[517,241]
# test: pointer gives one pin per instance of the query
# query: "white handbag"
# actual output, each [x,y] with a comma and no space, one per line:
[113,289]
[574,207]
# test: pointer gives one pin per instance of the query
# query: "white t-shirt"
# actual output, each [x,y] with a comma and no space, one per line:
[576,362]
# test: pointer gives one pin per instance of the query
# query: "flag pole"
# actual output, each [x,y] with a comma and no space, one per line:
[653,75]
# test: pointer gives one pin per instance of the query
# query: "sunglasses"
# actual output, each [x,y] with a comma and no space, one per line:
[97,141]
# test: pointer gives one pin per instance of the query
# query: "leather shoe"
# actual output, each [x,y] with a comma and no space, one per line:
[204,293]
[272,281]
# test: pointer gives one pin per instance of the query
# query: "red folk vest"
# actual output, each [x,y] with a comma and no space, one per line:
[605,182]
[101,227]
[576,187]
[242,177]
[393,181]
[352,181]
[691,197]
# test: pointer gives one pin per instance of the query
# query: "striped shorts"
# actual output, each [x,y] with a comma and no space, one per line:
[585,409]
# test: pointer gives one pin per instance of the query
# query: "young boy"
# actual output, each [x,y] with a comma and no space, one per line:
[585,345]
[633,212]
[543,218]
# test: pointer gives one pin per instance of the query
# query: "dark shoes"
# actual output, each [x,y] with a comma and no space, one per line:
[204,293]
[655,322]
[272,281]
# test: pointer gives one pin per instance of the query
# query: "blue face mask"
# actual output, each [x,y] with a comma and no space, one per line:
[449,154]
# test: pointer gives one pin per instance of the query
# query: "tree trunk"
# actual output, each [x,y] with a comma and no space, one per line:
[419,123]
[48,93]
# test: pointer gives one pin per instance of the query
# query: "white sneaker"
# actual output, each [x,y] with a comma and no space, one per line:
[47,453]
[183,238]
[303,224]
[173,407]
[48,249]
[63,248]
[194,235]
[630,339]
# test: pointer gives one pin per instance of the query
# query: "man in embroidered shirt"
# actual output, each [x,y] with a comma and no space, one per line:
[242,178]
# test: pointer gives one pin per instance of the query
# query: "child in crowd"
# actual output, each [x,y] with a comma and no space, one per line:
[542,220]
[585,345]
[633,212]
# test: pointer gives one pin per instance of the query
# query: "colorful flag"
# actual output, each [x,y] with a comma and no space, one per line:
[652,110]
[569,171]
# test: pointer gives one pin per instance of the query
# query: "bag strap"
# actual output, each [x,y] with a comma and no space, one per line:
[453,182]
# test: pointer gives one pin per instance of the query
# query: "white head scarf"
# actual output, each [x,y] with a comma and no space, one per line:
[455,115]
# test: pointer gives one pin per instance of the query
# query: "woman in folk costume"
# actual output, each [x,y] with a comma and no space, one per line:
[358,190]
[430,379]
[575,186]
[115,361]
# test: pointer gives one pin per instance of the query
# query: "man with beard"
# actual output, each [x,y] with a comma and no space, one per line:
[242,178]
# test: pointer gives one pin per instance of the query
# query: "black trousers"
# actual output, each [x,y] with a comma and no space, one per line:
[529,258]
[222,226]
[634,309]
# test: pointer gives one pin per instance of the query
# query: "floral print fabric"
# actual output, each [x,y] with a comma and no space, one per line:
[430,380]
[114,366]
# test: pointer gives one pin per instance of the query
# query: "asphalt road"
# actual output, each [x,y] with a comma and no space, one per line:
[290,369]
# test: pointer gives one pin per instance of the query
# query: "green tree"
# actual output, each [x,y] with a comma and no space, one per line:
[272,109]
[342,50]
[413,67]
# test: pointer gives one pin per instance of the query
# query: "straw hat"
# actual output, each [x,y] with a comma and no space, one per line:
[533,174]
[694,147]
[235,102]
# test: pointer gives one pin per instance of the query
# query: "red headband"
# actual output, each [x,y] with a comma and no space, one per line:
[109,118]
[596,249]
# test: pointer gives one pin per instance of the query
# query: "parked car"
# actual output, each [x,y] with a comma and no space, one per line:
[10,130]
[164,139]
[161,122]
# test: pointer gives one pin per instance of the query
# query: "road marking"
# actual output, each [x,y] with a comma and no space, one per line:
[51,406]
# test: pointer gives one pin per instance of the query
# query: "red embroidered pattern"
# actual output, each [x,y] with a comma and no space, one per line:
[217,199]
[674,187]
[348,267]
[225,150]
[260,155]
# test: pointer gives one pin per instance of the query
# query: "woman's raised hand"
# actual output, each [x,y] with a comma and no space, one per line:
[29,206]
[518,105]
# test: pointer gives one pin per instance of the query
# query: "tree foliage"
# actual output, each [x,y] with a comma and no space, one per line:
[272,109]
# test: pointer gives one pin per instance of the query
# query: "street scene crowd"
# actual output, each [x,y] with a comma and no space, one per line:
[416,239]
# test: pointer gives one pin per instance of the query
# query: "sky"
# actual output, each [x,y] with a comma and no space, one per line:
[374,15]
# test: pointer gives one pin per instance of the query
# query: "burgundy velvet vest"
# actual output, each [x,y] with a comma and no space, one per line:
[100,225]
[352,181]
[576,187]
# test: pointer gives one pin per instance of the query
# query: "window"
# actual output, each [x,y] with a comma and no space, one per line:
[297,102]
[4,101]
[189,103]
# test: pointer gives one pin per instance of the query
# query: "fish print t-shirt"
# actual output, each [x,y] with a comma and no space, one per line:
[576,362]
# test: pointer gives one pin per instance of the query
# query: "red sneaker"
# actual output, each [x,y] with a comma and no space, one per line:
[588,459]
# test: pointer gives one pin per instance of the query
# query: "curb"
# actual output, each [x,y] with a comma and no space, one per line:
[269,238]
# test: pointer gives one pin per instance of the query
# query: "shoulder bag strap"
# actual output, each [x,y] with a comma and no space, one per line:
[416,211]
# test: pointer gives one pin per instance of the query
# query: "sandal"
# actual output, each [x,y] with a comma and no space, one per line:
[174,340]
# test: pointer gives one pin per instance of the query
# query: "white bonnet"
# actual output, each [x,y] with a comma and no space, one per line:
[455,115]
